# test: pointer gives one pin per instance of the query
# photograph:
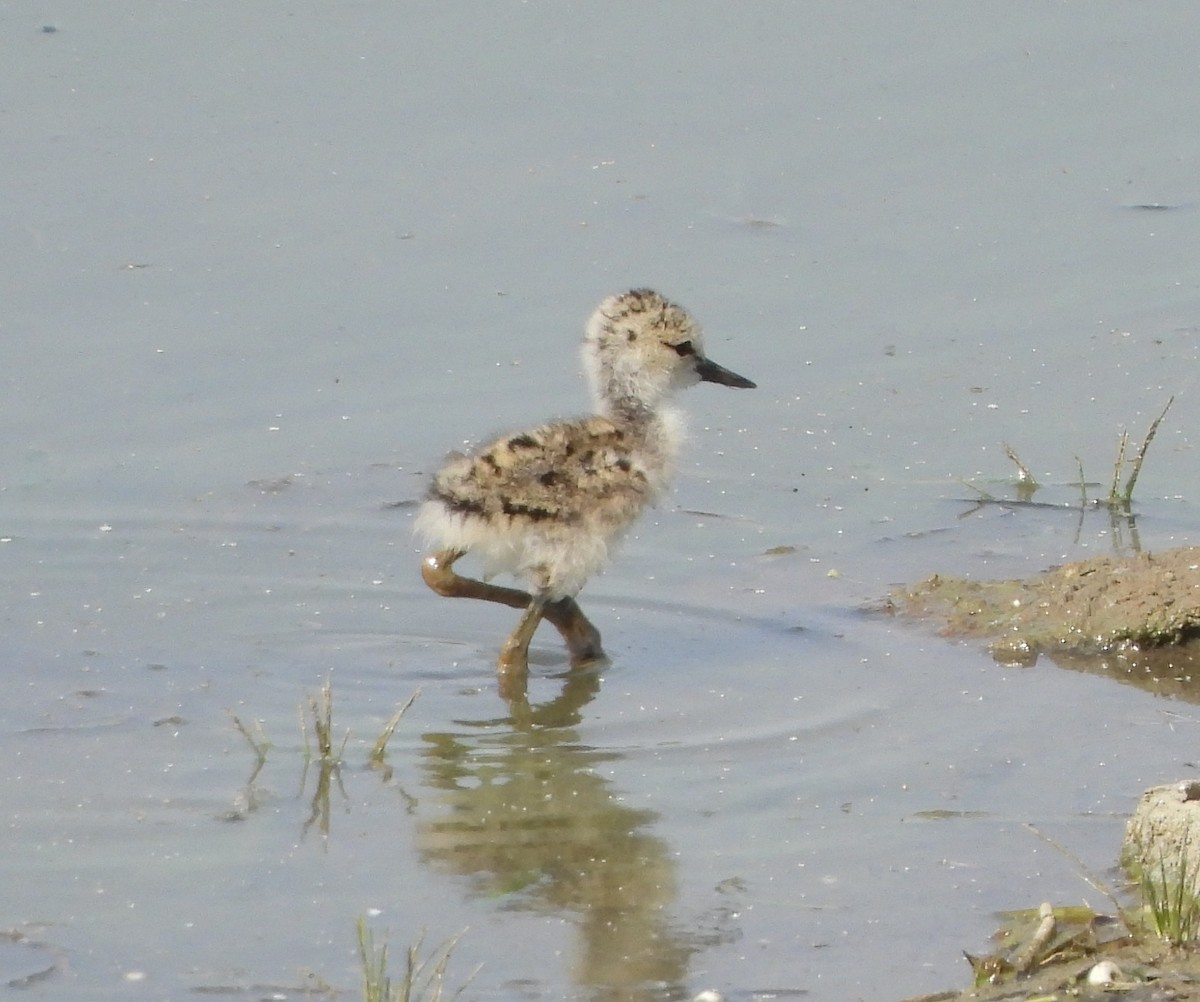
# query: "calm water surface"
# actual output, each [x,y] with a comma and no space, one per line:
[263,268]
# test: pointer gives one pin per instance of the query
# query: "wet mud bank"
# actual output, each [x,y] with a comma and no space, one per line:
[1143,608]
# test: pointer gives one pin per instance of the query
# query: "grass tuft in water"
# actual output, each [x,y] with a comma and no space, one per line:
[1118,503]
[423,979]
[379,749]
[1121,499]
[258,740]
[1171,905]
[1027,484]
[321,708]
[1171,901]
[322,749]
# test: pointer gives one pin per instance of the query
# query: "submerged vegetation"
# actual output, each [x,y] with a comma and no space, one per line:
[1033,938]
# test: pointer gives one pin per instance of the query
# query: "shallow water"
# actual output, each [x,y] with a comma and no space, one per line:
[263,267]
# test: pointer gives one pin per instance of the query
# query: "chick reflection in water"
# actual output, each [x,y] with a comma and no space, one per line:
[549,503]
[534,821]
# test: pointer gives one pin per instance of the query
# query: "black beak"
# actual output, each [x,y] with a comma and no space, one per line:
[710,372]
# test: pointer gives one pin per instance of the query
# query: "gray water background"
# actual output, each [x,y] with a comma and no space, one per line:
[265,264]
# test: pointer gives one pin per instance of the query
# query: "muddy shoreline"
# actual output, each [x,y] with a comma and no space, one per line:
[1135,618]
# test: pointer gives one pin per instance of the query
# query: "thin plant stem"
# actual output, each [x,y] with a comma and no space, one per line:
[260,744]
[1171,899]
[381,742]
[423,980]
[1084,871]
[1114,496]
[1141,453]
[1024,474]
[1083,497]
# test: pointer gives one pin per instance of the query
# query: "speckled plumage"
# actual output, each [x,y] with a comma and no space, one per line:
[548,503]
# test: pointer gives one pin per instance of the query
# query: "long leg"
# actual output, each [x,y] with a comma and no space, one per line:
[582,638]
[514,654]
[438,572]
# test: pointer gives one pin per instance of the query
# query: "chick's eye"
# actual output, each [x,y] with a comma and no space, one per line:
[684,348]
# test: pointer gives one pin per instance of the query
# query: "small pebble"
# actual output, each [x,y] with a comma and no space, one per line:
[1104,973]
